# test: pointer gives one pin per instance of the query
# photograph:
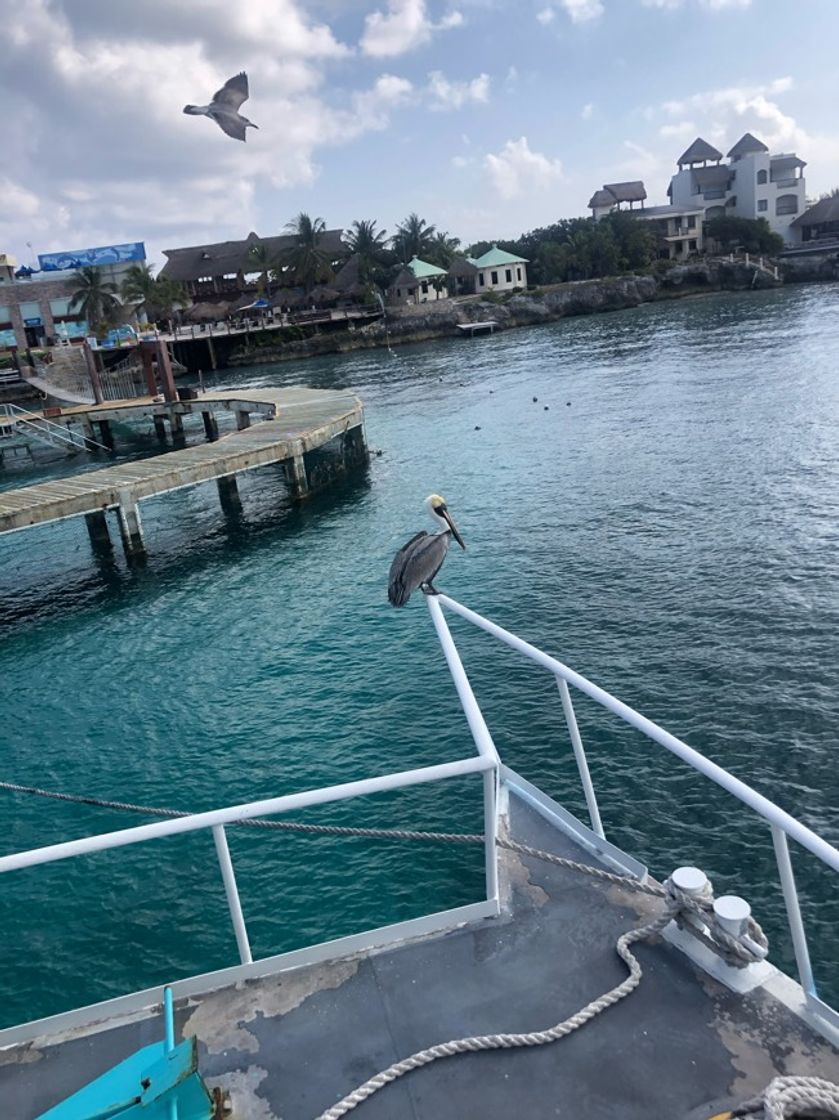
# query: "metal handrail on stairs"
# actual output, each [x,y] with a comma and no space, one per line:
[56,435]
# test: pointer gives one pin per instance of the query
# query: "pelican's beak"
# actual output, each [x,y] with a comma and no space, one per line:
[450,522]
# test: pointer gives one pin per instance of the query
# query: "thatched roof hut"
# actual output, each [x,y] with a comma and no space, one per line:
[322,296]
[206,312]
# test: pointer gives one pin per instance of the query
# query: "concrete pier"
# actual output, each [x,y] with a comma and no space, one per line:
[289,425]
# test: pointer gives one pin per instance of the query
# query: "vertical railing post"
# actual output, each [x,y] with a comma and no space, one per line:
[483,741]
[232,892]
[796,925]
[580,756]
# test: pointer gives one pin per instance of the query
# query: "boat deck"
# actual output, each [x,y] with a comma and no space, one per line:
[681,1047]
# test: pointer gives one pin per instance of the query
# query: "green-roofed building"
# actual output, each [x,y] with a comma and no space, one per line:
[418,282]
[499,271]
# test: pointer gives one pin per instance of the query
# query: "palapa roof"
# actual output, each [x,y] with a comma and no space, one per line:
[821,212]
[601,198]
[632,191]
[403,279]
[495,257]
[462,266]
[746,144]
[349,275]
[712,178]
[699,152]
[223,258]
[424,270]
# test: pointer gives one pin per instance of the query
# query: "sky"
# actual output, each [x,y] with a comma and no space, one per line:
[486,117]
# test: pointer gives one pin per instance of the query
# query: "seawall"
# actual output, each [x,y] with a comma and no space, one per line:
[558,301]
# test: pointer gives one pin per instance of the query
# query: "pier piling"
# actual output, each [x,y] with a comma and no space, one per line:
[160,428]
[210,426]
[228,493]
[97,529]
[297,478]
[177,422]
[243,419]
[106,436]
[131,528]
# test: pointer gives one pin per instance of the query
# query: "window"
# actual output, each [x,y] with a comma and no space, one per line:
[425,287]
[714,212]
[692,246]
[398,293]
[493,278]
[518,274]
[762,177]
[30,311]
[762,204]
[787,204]
[481,280]
[60,306]
[692,222]
[508,275]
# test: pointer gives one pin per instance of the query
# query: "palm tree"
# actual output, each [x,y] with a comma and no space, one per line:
[167,295]
[94,297]
[369,244]
[306,259]
[413,238]
[443,249]
[157,295]
[260,258]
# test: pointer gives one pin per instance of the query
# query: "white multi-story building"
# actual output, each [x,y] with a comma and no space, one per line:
[753,184]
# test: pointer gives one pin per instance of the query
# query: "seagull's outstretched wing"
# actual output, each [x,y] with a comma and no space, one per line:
[232,94]
[233,125]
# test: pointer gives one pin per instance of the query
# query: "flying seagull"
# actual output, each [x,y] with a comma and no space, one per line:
[418,562]
[224,108]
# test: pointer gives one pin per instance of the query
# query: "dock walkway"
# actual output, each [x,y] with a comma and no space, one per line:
[291,423]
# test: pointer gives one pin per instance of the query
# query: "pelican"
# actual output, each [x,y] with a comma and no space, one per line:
[418,562]
[224,108]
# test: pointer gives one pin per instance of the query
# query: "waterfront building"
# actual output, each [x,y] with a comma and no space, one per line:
[499,271]
[232,268]
[35,303]
[753,184]
[612,196]
[818,227]
[418,282]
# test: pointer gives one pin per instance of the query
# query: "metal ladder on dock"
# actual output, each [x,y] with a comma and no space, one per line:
[45,431]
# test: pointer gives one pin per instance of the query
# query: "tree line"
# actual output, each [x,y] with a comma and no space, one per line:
[570,249]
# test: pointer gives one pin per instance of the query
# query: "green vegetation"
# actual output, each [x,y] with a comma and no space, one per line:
[306,263]
[582,249]
[156,295]
[95,298]
[744,233]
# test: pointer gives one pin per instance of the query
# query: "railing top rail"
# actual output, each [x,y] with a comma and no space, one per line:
[266,807]
[761,805]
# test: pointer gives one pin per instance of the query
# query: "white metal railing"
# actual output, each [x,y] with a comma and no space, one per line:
[45,431]
[487,763]
[781,823]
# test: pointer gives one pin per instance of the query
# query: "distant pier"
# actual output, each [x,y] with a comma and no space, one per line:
[273,426]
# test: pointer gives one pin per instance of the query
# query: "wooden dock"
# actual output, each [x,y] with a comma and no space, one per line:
[477,328]
[289,424]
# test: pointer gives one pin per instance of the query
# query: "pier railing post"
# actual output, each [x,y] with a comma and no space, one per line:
[796,925]
[580,756]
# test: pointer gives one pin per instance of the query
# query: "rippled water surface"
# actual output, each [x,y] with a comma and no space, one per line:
[665,518]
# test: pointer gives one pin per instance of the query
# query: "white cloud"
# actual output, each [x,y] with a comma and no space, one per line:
[708,5]
[517,170]
[460,161]
[581,11]
[546,16]
[405,26]
[587,111]
[454,95]
[683,130]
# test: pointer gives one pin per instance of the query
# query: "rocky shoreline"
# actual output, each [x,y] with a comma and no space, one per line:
[583,297]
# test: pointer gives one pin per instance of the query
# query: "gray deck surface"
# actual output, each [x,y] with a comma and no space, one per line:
[680,1047]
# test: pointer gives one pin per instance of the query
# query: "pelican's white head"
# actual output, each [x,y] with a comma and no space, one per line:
[438,509]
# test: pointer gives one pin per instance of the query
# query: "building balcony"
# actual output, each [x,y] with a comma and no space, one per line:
[785,182]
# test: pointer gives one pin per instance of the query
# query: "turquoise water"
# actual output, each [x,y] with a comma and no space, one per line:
[668,526]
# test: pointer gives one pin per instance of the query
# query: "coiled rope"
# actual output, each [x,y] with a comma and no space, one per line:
[694,910]
[793,1096]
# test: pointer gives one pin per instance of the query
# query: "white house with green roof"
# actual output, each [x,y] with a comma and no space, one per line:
[499,271]
[418,282]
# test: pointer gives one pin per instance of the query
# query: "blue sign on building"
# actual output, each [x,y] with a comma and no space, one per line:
[83,258]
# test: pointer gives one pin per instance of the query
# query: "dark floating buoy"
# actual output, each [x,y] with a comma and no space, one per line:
[477,427]
[546,408]
[568,403]
[378,454]
[535,399]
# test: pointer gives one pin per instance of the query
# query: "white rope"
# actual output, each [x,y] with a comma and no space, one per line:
[509,1041]
[786,1097]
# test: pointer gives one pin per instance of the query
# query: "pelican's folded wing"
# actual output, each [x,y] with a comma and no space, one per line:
[398,591]
[233,93]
